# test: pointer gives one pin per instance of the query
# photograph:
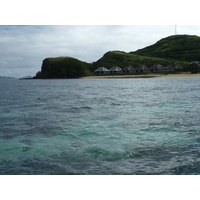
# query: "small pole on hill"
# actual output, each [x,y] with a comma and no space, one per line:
[175,29]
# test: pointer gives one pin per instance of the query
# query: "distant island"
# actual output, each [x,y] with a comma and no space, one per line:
[6,77]
[183,50]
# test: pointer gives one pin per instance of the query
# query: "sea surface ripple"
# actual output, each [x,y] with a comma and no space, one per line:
[100,126]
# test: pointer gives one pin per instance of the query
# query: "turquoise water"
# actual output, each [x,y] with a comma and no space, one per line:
[100,126]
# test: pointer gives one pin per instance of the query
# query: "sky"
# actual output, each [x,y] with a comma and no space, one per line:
[85,30]
[23,48]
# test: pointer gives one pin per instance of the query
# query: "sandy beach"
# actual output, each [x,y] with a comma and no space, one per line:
[183,75]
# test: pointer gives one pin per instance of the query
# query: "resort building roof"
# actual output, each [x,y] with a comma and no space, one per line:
[115,69]
[157,67]
[101,69]
[127,68]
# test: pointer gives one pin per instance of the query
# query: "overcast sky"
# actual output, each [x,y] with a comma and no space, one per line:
[23,48]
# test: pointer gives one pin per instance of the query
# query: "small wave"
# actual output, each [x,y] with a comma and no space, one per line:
[12,135]
[81,108]
[178,123]
[105,154]
[41,99]
[28,142]
[77,144]
[89,133]
[71,135]
[115,104]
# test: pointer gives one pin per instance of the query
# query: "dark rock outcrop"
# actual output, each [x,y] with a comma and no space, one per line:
[63,67]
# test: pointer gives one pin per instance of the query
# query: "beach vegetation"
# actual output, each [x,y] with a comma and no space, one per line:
[194,68]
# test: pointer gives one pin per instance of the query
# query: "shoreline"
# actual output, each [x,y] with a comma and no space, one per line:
[183,75]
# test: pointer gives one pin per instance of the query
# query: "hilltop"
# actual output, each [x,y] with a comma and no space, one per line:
[178,47]
[181,49]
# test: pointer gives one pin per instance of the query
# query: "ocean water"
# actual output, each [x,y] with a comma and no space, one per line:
[100,126]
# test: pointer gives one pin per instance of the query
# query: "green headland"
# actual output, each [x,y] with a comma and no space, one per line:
[181,49]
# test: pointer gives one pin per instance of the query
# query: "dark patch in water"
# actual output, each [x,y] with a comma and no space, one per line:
[192,169]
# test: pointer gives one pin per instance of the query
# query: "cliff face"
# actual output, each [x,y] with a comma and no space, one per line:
[63,67]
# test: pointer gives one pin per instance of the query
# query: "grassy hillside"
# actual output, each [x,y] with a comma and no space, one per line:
[178,47]
[122,59]
[63,67]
